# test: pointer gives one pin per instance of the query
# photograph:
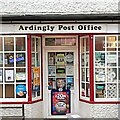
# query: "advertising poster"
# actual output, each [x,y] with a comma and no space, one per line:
[60,102]
[51,83]
[21,91]
[9,75]
[112,58]
[60,58]
[61,84]
[70,82]
[69,70]
[60,70]
[51,70]
[36,79]
[69,58]
[20,76]
[99,59]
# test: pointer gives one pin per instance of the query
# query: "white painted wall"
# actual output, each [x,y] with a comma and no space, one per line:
[31,7]
[34,110]
[87,110]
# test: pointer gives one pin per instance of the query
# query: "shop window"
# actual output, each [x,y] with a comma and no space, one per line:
[106,68]
[36,68]
[84,65]
[13,68]
[9,43]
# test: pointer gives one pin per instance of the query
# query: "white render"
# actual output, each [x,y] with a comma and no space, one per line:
[86,110]
[37,7]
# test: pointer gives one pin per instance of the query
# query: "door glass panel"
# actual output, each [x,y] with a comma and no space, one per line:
[60,70]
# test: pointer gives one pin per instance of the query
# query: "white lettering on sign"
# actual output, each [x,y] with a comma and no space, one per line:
[60,96]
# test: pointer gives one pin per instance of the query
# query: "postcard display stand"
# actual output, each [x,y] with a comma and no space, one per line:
[60,80]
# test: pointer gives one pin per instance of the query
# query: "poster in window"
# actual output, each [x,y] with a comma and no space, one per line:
[99,59]
[1,75]
[20,59]
[20,76]
[21,91]
[9,75]
[61,84]
[70,82]
[69,57]
[51,83]
[60,102]
[51,58]
[60,59]
[36,79]
[51,70]
[60,71]
[69,70]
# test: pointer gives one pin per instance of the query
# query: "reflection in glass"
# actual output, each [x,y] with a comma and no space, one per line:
[119,89]
[82,45]
[118,58]
[118,43]
[83,74]
[87,44]
[9,91]
[83,89]
[20,43]
[99,43]
[83,59]
[33,59]
[1,44]
[9,44]
[37,59]
[1,60]
[1,75]
[87,90]
[66,41]
[37,44]
[49,41]
[1,91]
[111,43]
[33,44]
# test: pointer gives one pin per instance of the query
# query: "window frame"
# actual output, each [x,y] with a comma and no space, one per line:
[15,99]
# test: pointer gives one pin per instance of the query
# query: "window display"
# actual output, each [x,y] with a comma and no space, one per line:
[106,67]
[60,70]
[13,68]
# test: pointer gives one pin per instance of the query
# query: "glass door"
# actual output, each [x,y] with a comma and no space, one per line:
[60,81]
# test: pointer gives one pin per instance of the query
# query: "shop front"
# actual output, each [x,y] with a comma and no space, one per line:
[68,67]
